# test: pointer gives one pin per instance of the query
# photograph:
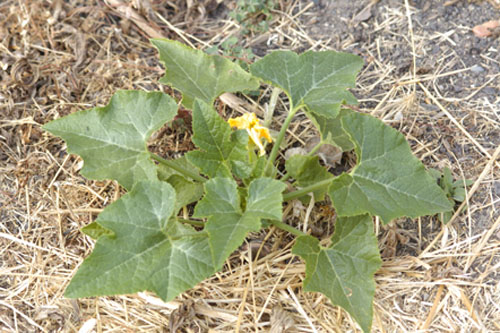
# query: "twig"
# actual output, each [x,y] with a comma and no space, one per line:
[432,312]
[480,245]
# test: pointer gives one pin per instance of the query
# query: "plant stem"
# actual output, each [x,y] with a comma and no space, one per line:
[172,165]
[315,148]
[281,135]
[285,177]
[268,117]
[311,188]
[286,227]
[195,223]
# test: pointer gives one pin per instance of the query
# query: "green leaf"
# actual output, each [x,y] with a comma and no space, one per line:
[259,164]
[331,130]
[435,173]
[463,182]
[223,151]
[459,194]
[344,271]
[317,80]
[265,199]
[94,230]
[186,191]
[388,181]
[199,75]
[148,251]
[227,224]
[307,171]
[112,139]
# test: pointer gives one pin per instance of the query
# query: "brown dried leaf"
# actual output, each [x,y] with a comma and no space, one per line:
[486,29]
[330,155]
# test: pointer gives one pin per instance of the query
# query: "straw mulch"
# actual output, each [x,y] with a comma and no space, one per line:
[58,57]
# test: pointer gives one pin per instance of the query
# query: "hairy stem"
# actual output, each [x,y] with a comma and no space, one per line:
[281,135]
[308,189]
[285,177]
[268,117]
[315,148]
[172,165]
[195,223]
[286,227]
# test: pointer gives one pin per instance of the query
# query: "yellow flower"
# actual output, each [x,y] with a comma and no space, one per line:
[256,132]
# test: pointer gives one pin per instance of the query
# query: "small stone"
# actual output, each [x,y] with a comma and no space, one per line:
[477,69]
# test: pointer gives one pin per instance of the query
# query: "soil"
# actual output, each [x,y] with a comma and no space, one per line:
[445,41]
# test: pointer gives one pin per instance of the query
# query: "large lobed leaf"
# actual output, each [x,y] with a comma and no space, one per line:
[199,75]
[146,250]
[317,80]
[112,139]
[344,271]
[223,151]
[227,223]
[388,181]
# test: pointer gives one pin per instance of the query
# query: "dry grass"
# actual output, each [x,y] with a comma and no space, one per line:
[58,58]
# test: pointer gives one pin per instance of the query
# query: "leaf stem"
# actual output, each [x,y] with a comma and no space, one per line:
[172,165]
[285,177]
[315,148]
[195,223]
[308,189]
[268,117]
[286,227]
[281,135]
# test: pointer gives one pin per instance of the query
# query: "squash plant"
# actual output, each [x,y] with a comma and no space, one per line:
[142,243]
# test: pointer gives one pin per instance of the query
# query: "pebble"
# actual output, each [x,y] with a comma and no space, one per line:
[477,69]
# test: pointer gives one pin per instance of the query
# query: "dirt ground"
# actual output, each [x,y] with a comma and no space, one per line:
[425,74]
